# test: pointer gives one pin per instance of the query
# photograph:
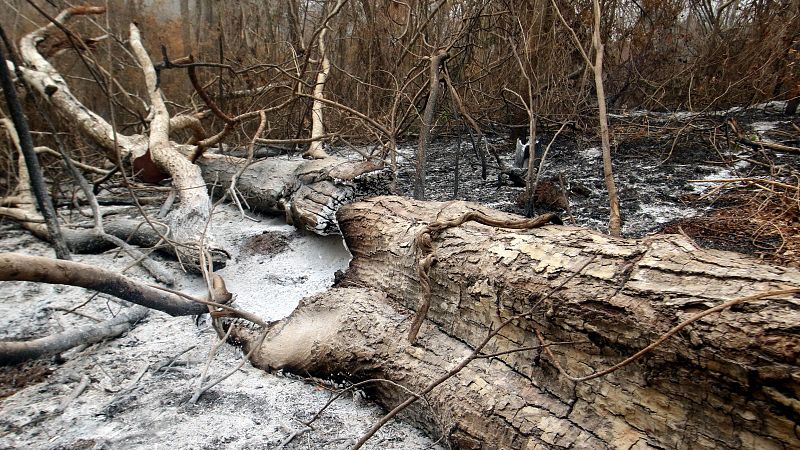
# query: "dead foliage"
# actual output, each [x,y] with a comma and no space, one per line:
[759,216]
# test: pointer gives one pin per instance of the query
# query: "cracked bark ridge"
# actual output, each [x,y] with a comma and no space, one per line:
[730,380]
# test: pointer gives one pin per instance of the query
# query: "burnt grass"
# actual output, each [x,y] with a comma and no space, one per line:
[654,157]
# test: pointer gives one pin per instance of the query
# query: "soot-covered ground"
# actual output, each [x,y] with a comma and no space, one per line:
[655,158]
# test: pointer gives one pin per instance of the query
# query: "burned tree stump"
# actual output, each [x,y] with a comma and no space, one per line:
[308,192]
[728,380]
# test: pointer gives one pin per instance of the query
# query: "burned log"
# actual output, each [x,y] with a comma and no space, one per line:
[359,333]
[308,192]
[727,380]
[13,352]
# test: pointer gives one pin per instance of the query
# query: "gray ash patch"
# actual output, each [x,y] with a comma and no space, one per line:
[131,404]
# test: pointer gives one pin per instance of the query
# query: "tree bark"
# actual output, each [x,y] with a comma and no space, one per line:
[190,222]
[614,220]
[358,332]
[315,149]
[729,380]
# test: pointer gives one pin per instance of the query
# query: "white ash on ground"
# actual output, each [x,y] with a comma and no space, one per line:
[131,403]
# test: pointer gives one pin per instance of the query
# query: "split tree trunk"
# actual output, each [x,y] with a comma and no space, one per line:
[187,223]
[51,86]
[730,380]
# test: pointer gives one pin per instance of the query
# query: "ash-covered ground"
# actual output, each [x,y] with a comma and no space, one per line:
[655,155]
[140,384]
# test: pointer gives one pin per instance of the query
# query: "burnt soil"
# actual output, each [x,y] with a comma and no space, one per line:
[655,155]
[268,243]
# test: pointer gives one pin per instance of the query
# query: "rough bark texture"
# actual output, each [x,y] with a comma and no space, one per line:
[357,333]
[730,380]
[309,192]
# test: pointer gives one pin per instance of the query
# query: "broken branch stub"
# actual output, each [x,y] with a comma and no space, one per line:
[307,192]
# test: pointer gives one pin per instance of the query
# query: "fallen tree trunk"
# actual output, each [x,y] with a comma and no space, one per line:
[87,241]
[727,380]
[308,192]
[357,333]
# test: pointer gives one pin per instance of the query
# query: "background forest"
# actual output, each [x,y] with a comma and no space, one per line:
[659,55]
